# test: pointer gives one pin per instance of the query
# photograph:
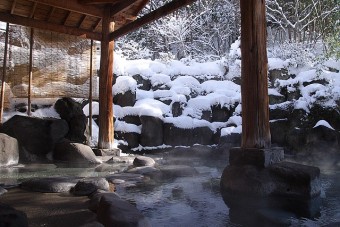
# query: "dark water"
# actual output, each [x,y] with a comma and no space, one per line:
[195,200]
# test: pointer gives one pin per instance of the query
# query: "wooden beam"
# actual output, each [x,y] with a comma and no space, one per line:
[81,21]
[33,10]
[94,2]
[122,5]
[50,14]
[95,27]
[4,67]
[150,17]
[67,17]
[28,22]
[105,140]
[254,85]
[90,89]
[73,5]
[141,6]
[30,73]
[13,6]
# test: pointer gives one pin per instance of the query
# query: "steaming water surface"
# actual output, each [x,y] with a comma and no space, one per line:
[186,201]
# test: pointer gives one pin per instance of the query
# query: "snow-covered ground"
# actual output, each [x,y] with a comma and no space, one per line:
[200,86]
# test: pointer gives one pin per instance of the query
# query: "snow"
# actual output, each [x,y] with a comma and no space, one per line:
[229,130]
[186,122]
[189,82]
[235,50]
[220,86]
[274,92]
[323,123]
[186,81]
[95,109]
[122,126]
[149,68]
[276,63]
[152,107]
[124,84]
[159,79]
[334,64]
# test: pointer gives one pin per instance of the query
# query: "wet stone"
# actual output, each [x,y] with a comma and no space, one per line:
[145,170]
[256,157]
[117,212]
[173,171]
[83,188]
[96,197]
[89,186]
[143,161]
[58,184]
[2,190]
[12,217]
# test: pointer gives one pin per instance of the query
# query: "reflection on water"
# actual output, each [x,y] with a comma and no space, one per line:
[190,201]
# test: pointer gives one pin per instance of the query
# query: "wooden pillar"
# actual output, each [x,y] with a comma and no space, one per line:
[2,94]
[90,89]
[30,71]
[254,87]
[105,140]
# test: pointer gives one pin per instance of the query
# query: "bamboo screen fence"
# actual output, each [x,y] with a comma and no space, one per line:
[60,67]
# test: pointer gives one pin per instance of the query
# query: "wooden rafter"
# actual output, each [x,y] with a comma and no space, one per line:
[150,17]
[119,7]
[73,6]
[94,2]
[13,6]
[50,14]
[81,21]
[95,27]
[33,9]
[141,6]
[28,22]
[67,17]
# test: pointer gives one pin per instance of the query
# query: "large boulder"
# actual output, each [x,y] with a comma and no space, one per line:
[67,151]
[278,131]
[127,98]
[175,136]
[221,113]
[113,211]
[322,138]
[152,131]
[12,217]
[228,141]
[202,135]
[132,138]
[9,150]
[37,137]
[331,115]
[143,84]
[90,186]
[72,112]
[275,74]
[177,108]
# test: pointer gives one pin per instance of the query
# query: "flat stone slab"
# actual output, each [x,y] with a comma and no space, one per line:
[254,156]
[297,179]
[282,179]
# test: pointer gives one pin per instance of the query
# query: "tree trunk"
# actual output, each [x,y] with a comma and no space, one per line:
[254,87]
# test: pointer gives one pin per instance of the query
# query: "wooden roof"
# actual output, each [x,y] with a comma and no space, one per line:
[82,17]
